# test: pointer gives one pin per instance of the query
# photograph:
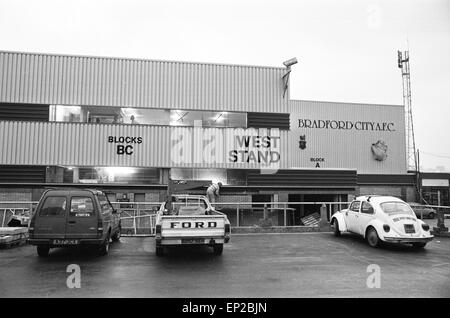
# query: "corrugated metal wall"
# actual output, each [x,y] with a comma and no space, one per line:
[211,148]
[83,144]
[347,148]
[35,143]
[76,80]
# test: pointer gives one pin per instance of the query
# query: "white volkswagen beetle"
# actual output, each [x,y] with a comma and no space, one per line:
[382,219]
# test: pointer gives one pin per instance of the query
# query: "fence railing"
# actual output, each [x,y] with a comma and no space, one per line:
[138,218]
[244,214]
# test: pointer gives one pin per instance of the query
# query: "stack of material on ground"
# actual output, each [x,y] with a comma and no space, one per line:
[12,236]
[311,220]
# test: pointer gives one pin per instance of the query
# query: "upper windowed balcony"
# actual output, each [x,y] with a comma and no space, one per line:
[142,116]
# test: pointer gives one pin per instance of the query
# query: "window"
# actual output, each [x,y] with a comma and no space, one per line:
[53,206]
[355,206]
[366,208]
[396,208]
[207,119]
[191,206]
[210,175]
[81,207]
[108,115]
[104,203]
[145,116]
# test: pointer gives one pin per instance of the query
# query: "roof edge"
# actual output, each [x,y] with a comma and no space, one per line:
[143,60]
[345,103]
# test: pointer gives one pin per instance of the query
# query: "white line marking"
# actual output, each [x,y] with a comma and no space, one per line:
[242,234]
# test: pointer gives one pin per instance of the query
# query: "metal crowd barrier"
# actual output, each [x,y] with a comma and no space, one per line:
[138,218]
[245,214]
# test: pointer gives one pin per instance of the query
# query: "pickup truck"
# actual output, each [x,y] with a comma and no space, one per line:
[190,220]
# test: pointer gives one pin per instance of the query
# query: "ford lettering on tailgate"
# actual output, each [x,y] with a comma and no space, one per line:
[193,225]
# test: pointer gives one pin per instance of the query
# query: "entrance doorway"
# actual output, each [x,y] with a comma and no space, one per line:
[303,210]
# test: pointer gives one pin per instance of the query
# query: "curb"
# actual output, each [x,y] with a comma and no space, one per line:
[441,234]
[280,229]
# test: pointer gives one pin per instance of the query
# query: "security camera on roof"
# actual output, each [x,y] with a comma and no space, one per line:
[290,62]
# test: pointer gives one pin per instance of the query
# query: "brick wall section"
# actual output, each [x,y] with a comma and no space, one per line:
[20,195]
[235,198]
[15,194]
[407,193]
[152,197]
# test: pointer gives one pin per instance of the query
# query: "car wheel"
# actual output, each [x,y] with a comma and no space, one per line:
[43,250]
[372,237]
[419,245]
[104,248]
[218,249]
[116,236]
[336,227]
[159,250]
[431,215]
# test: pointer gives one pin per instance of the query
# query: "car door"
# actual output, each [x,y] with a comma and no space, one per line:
[365,216]
[82,217]
[351,217]
[50,221]
[107,211]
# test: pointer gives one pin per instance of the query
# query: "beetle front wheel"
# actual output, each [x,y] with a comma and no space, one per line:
[336,228]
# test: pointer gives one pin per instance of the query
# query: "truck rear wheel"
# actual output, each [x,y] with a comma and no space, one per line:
[218,249]
[104,248]
[159,250]
[116,236]
[43,250]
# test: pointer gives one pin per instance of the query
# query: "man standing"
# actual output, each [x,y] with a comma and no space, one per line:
[213,191]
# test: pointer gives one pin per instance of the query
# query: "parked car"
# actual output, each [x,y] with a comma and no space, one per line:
[66,218]
[382,219]
[191,220]
[422,211]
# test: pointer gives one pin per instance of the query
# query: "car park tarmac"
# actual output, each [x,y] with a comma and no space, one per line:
[258,265]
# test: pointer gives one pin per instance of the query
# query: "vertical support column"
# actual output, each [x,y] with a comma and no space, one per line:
[76,175]
[323,216]
[440,228]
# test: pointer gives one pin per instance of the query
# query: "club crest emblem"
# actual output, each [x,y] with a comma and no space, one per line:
[302,142]
[379,150]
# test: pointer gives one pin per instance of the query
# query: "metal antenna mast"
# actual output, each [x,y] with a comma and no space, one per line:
[411,156]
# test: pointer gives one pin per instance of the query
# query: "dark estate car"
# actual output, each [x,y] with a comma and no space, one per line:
[73,218]
[422,211]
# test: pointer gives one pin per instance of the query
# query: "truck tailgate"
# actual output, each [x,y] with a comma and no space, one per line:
[192,226]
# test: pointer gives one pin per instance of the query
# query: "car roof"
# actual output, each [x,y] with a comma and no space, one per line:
[378,198]
[71,191]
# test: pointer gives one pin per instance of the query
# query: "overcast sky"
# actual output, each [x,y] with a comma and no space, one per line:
[347,50]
